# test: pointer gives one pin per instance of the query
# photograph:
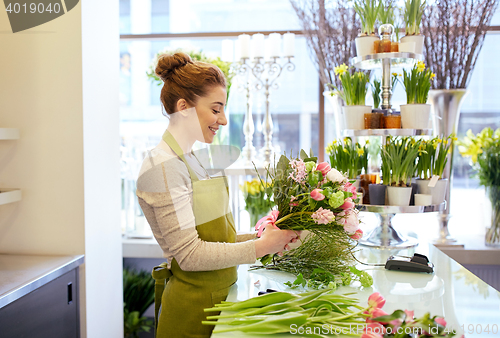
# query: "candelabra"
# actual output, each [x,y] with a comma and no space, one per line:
[265,73]
[248,151]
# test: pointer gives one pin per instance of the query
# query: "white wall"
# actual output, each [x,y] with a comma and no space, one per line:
[59,86]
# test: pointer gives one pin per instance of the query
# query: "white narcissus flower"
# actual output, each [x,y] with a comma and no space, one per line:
[335,176]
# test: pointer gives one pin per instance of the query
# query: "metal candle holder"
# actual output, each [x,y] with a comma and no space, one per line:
[273,71]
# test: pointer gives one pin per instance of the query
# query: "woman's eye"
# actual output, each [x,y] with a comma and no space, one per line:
[215,111]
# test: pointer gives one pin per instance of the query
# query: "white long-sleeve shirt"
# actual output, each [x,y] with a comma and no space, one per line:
[165,194]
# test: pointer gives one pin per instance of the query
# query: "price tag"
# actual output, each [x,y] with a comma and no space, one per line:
[433,181]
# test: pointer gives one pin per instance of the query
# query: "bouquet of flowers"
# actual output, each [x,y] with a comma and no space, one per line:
[315,197]
[348,158]
[256,202]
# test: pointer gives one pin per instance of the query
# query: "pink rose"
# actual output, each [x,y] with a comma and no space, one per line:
[317,195]
[348,204]
[357,235]
[324,167]
[349,219]
[323,216]
[349,187]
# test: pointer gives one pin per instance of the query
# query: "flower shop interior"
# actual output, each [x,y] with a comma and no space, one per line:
[383,114]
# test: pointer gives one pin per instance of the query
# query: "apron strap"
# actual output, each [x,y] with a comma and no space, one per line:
[169,139]
[161,275]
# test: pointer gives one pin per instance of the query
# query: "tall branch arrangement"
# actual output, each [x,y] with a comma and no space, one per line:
[454,33]
[330,28]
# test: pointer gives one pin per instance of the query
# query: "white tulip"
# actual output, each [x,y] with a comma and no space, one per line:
[335,176]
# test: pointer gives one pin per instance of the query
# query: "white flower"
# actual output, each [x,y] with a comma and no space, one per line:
[335,176]
[349,220]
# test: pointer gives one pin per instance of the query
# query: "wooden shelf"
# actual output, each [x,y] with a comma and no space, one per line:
[9,134]
[10,196]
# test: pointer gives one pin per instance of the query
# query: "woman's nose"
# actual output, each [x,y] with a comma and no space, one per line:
[222,118]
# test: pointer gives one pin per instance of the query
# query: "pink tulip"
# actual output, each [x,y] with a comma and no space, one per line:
[348,204]
[440,321]
[357,235]
[371,335]
[374,328]
[376,301]
[317,195]
[377,312]
[324,167]
[409,316]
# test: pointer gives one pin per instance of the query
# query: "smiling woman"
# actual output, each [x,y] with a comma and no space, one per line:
[187,209]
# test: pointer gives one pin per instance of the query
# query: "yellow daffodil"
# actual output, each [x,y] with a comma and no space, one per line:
[395,74]
[420,66]
[360,151]
[433,76]
[340,70]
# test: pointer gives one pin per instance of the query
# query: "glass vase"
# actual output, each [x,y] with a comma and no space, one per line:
[493,232]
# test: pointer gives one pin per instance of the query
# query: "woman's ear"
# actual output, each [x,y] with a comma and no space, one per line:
[182,105]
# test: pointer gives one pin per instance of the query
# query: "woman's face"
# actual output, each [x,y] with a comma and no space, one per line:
[210,111]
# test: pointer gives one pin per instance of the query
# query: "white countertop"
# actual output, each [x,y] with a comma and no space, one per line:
[451,291]
[21,274]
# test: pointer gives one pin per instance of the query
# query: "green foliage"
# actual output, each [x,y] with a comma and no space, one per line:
[376,90]
[138,295]
[368,11]
[433,156]
[413,12]
[133,323]
[348,157]
[387,13]
[224,66]
[354,86]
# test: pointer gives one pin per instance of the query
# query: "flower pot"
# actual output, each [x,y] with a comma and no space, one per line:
[423,199]
[423,187]
[365,45]
[354,116]
[407,47]
[399,195]
[417,39]
[377,194]
[438,192]
[415,116]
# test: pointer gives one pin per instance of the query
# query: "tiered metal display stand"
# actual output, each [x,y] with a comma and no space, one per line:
[384,235]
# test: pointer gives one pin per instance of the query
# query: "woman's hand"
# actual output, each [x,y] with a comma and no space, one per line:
[275,240]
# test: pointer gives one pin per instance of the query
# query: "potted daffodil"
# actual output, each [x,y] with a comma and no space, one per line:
[417,82]
[354,89]
[413,12]
[368,11]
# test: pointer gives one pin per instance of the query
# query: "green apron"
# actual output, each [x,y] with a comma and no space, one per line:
[187,293]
